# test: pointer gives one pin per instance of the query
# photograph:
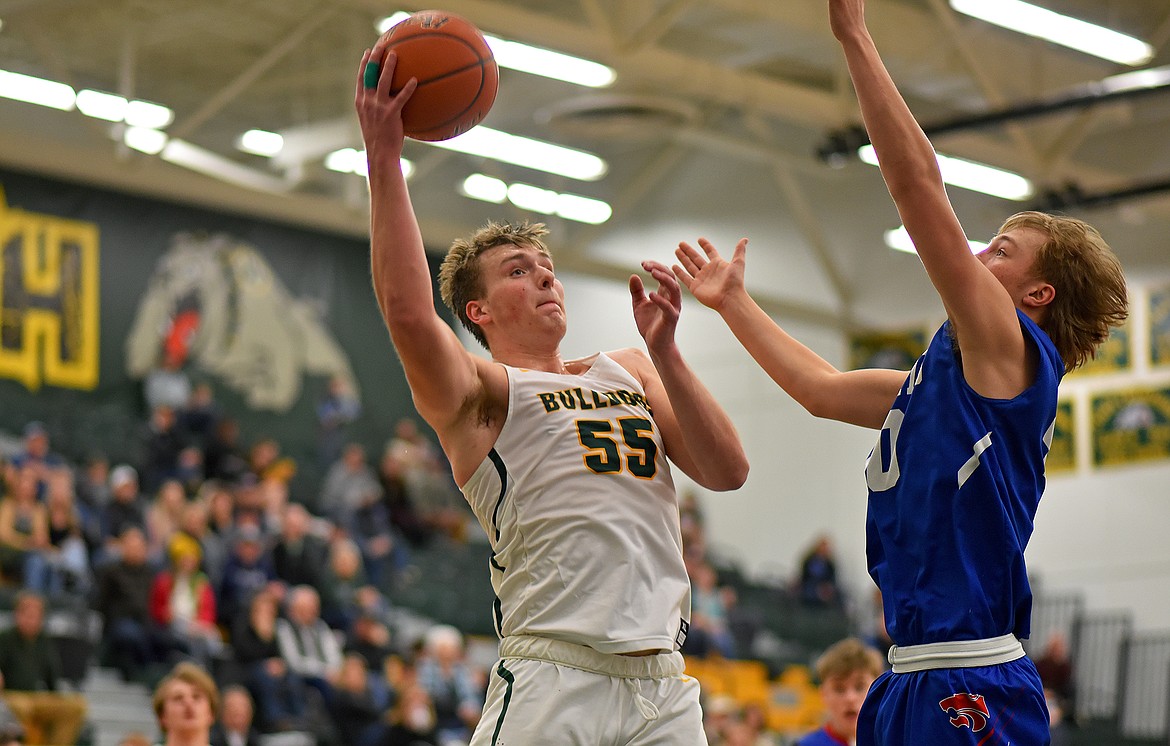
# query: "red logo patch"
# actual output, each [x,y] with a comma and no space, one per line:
[970,711]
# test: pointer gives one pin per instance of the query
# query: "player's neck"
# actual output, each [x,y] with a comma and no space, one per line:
[549,363]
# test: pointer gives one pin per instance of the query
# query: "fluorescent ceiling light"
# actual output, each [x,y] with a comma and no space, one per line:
[549,64]
[1074,33]
[146,114]
[34,90]
[1136,80]
[967,174]
[144,139]
[528,197]
[260,142]
[899,239]
[536,199]
[101,105]
[350,161]
[516,55]
[522,151]
[485,188]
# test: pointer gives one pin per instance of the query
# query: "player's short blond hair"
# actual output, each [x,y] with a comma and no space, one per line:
[459,276]
[1090,285]
[846,657]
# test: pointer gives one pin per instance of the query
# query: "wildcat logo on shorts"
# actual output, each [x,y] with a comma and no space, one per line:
[970,711]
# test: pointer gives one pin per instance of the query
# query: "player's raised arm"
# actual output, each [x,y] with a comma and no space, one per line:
[441,373]
[981,308]
[860,397]
[699,436]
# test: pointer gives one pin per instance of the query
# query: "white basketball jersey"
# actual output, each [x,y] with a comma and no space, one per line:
[578,503]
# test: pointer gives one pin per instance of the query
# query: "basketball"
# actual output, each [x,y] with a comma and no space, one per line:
[456,71]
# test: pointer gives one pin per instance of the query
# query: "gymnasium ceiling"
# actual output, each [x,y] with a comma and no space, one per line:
[716,118]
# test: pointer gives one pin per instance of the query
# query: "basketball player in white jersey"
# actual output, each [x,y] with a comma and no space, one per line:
[564,463]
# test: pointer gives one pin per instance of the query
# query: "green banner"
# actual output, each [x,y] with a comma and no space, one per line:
[1131,426]
[1062,455]
[896,350]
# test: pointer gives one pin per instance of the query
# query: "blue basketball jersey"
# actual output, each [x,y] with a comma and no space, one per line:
[954,482]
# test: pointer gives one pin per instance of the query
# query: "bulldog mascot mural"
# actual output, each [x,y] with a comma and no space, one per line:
[216,304]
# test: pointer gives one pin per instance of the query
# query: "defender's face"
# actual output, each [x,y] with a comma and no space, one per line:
[1011,257]
[522,295]
[843,696]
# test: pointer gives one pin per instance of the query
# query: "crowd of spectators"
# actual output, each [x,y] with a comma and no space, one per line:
[197,552]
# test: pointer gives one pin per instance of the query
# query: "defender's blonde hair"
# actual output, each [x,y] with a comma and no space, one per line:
[459,276]
[1090,285]
[846,657]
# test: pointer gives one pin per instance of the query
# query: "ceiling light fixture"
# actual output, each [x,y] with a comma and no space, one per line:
[33,90]
[146,114]
[145,139]
[523,151]
[1074,33]
[101,105]
[899,240]
[350,161]
[260,142]
[516,55]
[967,174]
[536,199]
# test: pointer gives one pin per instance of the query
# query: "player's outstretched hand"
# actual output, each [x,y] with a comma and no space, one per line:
[379,113]
[656,314]
[710,277]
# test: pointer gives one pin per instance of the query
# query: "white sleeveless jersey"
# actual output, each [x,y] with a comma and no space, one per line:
[580,508]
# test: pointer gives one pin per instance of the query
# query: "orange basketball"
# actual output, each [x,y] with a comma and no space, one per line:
[457,74]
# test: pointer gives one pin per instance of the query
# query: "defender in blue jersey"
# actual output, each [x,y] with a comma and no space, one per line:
[958,469]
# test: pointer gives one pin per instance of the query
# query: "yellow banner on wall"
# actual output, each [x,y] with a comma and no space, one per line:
[1062,454]
[894,350]
[1131,426]
[1112,357]
[1160,326]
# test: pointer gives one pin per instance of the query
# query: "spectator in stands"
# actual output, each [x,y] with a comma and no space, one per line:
[710,603]
[279,693]
[1056,671]
[186,702]
[189,470]
[223,455]
[66,556]
[248,571]
[355,709]
[31,668]
[335,411]
[162,441]
[36,456]
[167,384]
[348,592]
[720,714]
[452,683]
[194,523]
[125,510]
[200,415]
[383,552]
[412,719]
[309,647]
[164,515]
[845,671]
[24,530]
[299,557]
[370,638]
[396,497]
[123,599]
[92,487]
[818,575]
[347,483]
[183,601]
[234,727]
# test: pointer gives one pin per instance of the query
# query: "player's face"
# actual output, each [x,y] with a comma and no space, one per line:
[185,709]
[843,696]
[1011,257]
[522,295]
